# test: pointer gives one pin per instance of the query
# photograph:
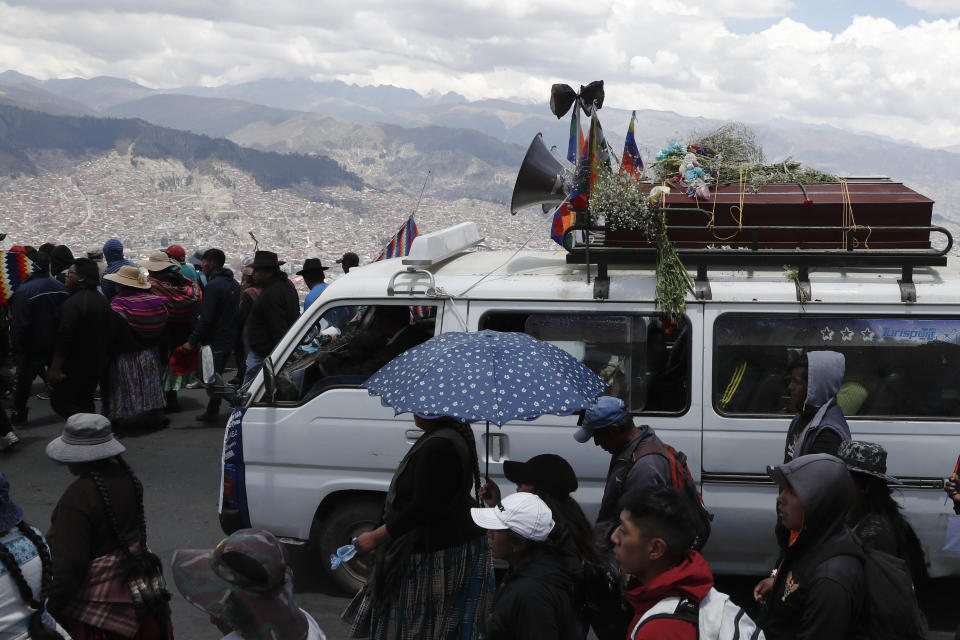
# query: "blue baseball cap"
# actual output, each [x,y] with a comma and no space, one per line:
[601,414]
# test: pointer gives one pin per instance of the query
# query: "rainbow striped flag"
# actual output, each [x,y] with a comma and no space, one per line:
[16,267]
[565,214]
[398,247]
[401,242]
[598,151]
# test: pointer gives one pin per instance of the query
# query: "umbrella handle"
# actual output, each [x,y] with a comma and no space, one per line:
[486,453]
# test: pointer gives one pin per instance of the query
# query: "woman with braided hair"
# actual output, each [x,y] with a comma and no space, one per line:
[26,572]
[433,575]
[106,584]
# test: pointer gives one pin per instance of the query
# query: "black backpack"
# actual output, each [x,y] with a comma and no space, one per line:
[681,480]
[605,609]
[890,607]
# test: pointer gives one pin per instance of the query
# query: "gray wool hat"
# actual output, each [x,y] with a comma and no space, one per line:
[87,437]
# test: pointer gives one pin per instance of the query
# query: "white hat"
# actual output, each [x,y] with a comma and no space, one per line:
[86,438]
[523,513]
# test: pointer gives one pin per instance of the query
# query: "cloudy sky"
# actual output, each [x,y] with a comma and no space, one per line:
[880,66]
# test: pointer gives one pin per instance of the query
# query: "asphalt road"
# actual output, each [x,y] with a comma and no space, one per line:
[179,468]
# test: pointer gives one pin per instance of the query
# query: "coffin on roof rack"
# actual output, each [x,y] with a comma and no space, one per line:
[865,222]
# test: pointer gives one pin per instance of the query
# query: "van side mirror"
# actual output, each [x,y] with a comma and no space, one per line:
[269,380]
[216,387]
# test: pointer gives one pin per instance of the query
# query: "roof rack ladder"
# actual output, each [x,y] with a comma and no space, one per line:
[908,290]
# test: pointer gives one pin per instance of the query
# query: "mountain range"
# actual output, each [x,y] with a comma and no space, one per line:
[393,138]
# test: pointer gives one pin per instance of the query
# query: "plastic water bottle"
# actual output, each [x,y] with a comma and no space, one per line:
[343,554]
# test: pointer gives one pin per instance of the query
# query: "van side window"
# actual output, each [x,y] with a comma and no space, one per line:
[895,366]
[644,359]
[348,344]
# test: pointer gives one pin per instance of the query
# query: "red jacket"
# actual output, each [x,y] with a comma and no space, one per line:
[692,578]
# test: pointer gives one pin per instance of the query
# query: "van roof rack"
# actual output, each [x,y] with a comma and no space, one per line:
[589,245]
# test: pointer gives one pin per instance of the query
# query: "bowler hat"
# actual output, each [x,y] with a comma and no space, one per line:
[548,472]
[312,265]
[265,259]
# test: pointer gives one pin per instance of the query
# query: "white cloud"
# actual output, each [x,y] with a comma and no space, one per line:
[753,8]
[936,7]
[873,76]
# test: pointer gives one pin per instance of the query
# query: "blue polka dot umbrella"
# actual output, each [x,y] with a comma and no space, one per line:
[485,375]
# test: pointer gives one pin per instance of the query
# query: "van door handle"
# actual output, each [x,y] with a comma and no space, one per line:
[413,435]
[496,447]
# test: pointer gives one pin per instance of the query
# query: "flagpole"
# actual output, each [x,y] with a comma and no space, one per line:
[420,197]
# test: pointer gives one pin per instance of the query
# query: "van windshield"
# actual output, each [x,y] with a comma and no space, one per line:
[894,366]
[644,359]
[348,344]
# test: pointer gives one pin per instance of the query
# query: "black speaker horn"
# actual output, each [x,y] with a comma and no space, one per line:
[541,178]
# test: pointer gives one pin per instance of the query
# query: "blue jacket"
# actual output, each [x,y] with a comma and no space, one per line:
[313,295]
[219,311]
[113,254]
[34,309]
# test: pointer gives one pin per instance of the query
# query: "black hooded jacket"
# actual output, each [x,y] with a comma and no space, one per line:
[537,599]
[813,598]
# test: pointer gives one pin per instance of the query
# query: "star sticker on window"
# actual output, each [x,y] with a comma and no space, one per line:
[827,334]
[868,335]
[846,334]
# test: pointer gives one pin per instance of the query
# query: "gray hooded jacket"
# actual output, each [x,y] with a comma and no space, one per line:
[824,430]
[812,597]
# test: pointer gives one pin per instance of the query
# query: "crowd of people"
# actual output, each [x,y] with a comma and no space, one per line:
[638,573]
[634,573]
[103,327]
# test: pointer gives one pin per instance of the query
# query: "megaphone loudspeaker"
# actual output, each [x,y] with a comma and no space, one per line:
[540,179]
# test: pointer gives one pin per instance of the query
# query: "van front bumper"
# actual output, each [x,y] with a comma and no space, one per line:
[230,520]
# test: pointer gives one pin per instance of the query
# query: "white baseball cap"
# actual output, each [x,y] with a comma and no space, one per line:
[523,513]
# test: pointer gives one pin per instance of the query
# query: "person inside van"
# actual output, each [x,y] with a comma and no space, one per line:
[652,544]
[389,334]
[819,425]
[536,598]
[815,594]
[611,426]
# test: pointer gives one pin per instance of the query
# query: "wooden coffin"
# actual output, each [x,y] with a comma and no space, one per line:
[879,203]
